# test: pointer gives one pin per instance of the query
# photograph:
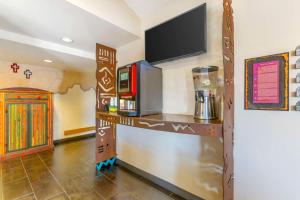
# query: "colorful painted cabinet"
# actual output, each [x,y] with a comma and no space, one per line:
[25,121]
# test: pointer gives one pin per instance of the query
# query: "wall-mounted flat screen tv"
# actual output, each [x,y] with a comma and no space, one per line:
[182,36]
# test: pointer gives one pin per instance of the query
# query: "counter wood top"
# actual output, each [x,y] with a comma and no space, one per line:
[183,124]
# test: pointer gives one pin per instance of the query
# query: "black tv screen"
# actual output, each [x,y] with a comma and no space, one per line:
[182,36]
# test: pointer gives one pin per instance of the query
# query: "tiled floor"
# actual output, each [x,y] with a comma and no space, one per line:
[69,173]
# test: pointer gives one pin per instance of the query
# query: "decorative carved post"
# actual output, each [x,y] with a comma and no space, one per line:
[106,74]
[228,61]
[106,88]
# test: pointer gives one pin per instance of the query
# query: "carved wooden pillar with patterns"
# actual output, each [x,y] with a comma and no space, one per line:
[228,125]
[106,88]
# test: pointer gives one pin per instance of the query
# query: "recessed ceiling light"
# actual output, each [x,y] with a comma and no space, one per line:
[66,39]
[48,61]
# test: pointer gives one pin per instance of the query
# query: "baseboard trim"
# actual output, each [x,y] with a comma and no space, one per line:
[79,130]
[80,137]
[162,183]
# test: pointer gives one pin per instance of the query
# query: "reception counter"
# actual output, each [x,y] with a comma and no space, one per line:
[161,142]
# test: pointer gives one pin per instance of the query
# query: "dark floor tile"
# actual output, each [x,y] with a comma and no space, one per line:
[123,196]
[49,162]
[32,161]
[150,194]
[6,170]
[36,169]
[27,197]
[16,189]
[1,190]
[64,174]
[43,183]
[73,165]
[29,165]
[86,170]
[140,188]
[59,197]
[81,187]
[13,174]
[11,163]
[77,185]
[40,177]
[106,188]
[85,196]
[123,177]
[46,189]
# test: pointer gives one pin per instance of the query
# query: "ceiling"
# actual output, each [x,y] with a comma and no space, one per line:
[29,31]
[27,54]
[142,9]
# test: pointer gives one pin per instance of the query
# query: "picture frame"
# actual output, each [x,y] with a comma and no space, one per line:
[267,82]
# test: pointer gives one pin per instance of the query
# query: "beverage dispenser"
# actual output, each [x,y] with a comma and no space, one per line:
[139,89]
[205,83]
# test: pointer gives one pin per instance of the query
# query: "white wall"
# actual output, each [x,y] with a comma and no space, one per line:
[73,110]
[180,69]
[266,151]
[193,163]
[44,78]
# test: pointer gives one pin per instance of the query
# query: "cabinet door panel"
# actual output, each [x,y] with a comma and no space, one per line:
[16,127]
[38,124]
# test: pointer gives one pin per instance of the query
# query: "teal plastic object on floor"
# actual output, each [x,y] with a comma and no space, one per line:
[107,163]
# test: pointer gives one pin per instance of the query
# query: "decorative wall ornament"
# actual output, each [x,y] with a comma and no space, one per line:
[178,127]
[27,73]
[126,121]
[101,130]
[267,82]
[107,163]
[15,67]
[151,125]
[103,88]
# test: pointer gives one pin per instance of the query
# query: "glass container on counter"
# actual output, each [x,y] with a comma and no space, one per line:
[205,84]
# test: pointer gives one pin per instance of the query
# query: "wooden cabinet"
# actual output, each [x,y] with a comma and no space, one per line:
[25,121]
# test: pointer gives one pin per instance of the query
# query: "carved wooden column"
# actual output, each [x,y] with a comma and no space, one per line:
[105,74]
[106,88]
[228,126]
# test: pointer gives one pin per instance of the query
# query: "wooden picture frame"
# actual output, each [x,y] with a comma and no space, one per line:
[267,82]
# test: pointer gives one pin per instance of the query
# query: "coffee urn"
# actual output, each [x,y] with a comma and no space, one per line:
[205,83]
